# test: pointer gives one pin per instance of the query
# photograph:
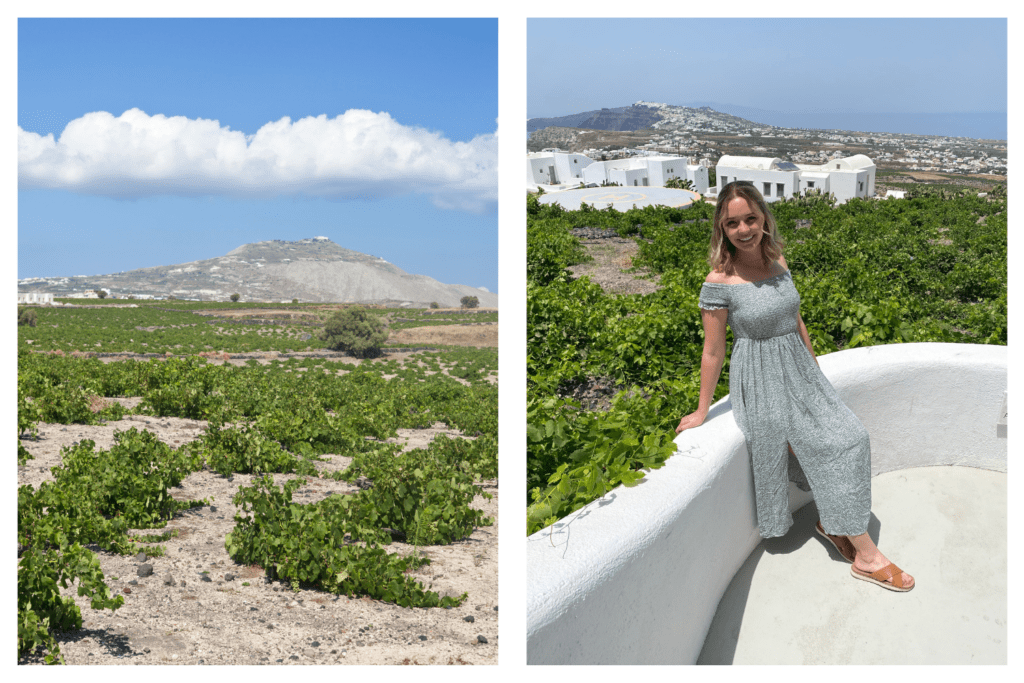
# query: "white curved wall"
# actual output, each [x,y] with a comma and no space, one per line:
[636,577]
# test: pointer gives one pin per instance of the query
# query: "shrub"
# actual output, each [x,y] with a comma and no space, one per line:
[235,297]
[100,293]
[470,302]
[27,316]
[356,331]
[679,184]
[433,304]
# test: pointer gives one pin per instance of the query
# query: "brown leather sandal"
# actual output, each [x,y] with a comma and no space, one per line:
[840,543]
[889,577]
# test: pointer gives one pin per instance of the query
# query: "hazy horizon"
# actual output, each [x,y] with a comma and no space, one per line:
[976,125]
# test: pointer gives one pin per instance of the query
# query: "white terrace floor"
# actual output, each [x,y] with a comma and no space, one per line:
[794,601]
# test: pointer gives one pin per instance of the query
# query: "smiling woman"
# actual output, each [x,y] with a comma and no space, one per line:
[743,222]
[782,402]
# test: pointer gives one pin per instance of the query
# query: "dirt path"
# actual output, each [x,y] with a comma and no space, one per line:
[612,256]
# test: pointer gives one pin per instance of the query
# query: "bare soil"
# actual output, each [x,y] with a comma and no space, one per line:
[200,607]
[612,267]
[472,334]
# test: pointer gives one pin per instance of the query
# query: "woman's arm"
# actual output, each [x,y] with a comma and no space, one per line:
[710,365]
[806,337]
[800,321]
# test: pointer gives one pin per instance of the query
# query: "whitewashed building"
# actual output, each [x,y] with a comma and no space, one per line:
[554,167]
[35,298]
[774,178]
[652,171]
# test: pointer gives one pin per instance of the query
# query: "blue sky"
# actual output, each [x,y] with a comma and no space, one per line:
[775,68]
[158,141]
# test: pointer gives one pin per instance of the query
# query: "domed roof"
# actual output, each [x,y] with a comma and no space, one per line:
[759,163]
[859,161]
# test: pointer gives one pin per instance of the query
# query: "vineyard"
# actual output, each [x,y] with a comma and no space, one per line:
[181,327]
[341,481]
[928,268]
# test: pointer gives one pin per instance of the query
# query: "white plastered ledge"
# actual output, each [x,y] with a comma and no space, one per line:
[636,577]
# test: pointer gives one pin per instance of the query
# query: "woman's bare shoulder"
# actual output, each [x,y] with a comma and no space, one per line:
[716,277]
[782,261]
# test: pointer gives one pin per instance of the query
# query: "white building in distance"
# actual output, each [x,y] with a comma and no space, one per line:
[35,298]
[555,167]
[774,178]
[654,171]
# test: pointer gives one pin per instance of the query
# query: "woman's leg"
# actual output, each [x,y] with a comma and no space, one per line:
[870,559]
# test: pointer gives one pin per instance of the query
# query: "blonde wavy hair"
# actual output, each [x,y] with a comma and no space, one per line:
[722,251]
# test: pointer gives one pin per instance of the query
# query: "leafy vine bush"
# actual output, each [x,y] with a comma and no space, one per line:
[927,269]
[95,498]
[424,494]
[41,608]
[330,545]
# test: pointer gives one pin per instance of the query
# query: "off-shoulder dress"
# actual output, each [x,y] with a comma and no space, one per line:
[779,396]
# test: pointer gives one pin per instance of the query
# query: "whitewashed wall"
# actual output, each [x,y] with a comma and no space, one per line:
[844,185]
[570,166]
[758,177]
[699,176]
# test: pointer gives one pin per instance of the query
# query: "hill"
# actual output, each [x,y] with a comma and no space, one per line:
[634,117]
[314,269]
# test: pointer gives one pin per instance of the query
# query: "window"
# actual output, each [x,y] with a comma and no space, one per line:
[810,184]
[860,186]
[780,190]
[725,180]
[837,167]
[767,190]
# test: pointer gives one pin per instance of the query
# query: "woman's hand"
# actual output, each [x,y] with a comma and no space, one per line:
[694,419]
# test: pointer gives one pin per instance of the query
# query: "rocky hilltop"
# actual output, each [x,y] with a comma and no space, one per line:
[634,117]
[314,269]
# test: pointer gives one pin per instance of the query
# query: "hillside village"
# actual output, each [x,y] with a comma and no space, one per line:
[704,135]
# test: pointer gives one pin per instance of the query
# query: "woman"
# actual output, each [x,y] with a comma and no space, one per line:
[781,400]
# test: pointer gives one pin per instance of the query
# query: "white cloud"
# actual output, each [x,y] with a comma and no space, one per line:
[357,154]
